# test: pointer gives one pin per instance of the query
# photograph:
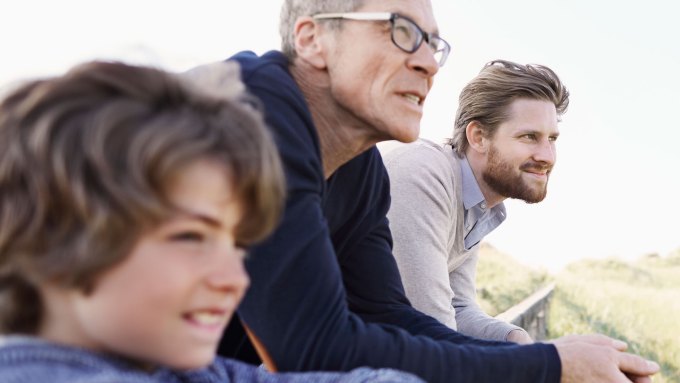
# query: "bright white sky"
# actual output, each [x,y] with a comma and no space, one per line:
[612,192]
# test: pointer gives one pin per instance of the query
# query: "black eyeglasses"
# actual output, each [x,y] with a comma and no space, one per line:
[406,34]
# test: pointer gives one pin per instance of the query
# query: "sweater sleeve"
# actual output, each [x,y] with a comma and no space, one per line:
[229,370]
[471,319]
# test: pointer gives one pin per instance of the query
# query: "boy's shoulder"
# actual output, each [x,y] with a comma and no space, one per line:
[25,359]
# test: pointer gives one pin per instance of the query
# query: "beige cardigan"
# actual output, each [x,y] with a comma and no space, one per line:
[426,219]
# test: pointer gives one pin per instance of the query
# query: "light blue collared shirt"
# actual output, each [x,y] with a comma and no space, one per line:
[479,220]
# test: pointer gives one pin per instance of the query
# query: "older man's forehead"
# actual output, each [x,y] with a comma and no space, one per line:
[419,11]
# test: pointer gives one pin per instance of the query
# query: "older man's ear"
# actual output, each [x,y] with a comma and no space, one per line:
[309,47]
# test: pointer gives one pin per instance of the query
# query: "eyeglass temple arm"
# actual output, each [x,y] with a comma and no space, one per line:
[369,16]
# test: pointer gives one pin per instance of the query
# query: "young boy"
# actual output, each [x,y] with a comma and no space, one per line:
[126,196]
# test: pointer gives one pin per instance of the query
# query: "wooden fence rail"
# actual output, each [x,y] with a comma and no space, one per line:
[532,313]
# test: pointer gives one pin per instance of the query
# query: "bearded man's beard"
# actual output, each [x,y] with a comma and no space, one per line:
[508,182]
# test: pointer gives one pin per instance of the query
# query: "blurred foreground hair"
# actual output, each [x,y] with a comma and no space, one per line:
[86,158]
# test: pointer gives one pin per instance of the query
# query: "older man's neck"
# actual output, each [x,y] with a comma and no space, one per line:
[341,136]
[339,144]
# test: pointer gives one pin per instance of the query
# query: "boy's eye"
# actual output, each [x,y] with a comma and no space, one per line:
[187,236]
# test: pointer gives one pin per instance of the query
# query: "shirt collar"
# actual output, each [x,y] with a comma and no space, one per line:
[472,194]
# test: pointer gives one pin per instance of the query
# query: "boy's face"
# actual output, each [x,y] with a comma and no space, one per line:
[170,299]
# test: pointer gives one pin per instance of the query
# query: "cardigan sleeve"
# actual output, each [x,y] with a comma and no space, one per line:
[471,319]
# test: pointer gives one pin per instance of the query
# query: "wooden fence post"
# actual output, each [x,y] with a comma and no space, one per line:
[531,314]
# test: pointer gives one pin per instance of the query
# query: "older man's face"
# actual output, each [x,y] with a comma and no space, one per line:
[377,84]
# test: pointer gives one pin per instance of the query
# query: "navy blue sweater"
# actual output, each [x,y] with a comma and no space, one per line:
[326,292]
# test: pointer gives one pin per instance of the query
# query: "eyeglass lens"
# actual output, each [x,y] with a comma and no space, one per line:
[408,36]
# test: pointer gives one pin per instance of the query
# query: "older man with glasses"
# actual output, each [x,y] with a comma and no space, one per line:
[326,292]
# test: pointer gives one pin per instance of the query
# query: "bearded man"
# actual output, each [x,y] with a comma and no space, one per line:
[445,199]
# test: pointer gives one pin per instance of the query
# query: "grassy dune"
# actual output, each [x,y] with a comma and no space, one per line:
[638,302]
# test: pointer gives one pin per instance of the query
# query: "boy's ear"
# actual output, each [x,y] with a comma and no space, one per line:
[476,136]
[308,42]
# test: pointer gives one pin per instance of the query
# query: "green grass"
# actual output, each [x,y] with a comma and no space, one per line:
[637,302]
[502,282]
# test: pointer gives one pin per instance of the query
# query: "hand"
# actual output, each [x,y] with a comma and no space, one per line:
[597,358]
[519,336]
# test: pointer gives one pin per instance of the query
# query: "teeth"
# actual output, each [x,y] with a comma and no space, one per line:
[415,99]
[206,318]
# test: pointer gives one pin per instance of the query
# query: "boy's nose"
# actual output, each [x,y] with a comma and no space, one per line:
[228,272]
